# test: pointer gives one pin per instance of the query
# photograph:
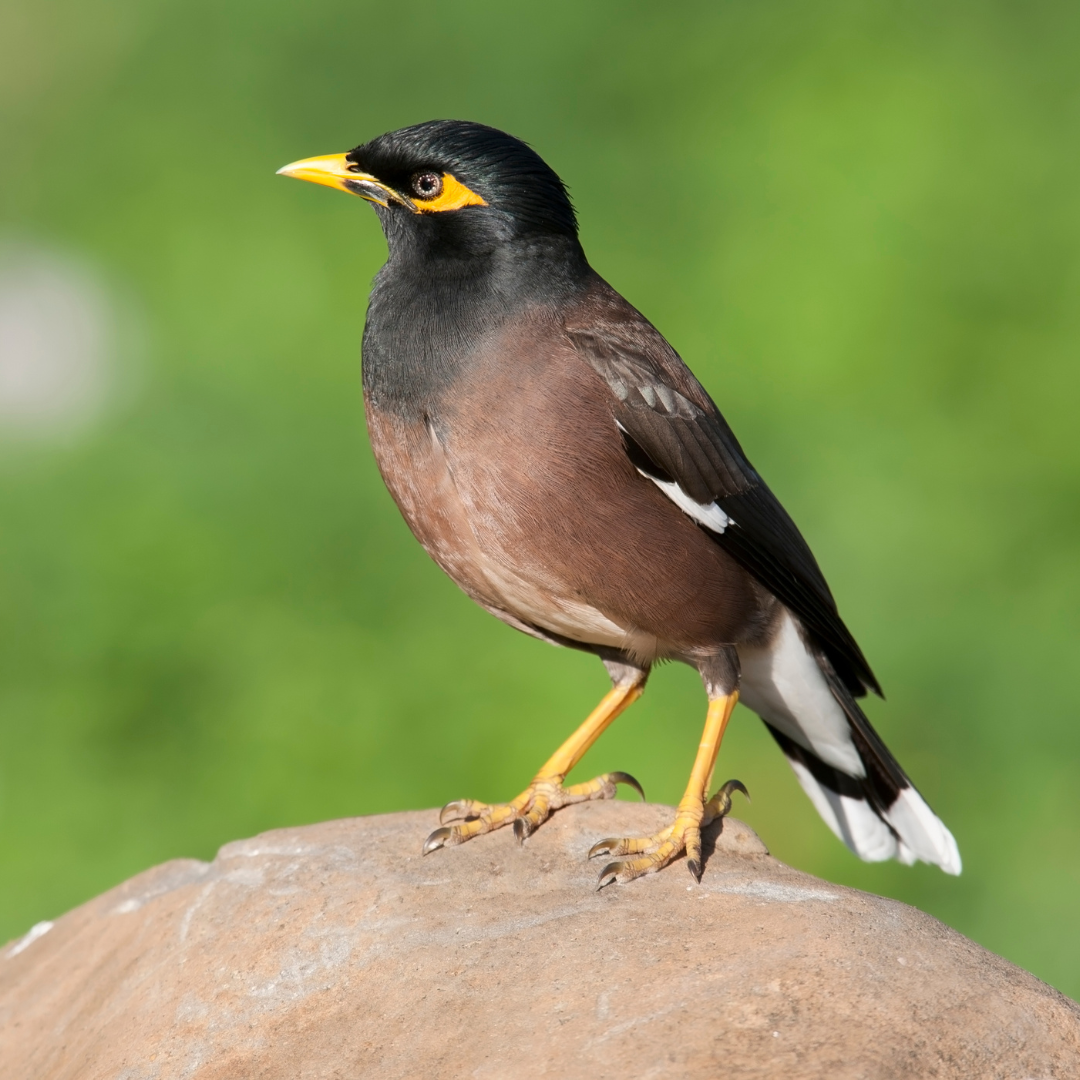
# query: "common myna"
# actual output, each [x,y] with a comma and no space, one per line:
[560,462]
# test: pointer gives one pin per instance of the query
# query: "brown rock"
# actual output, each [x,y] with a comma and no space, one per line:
[337,951]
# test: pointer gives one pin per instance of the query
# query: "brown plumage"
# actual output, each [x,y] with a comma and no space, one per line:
[516,500]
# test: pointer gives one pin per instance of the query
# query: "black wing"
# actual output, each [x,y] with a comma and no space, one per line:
[674,432]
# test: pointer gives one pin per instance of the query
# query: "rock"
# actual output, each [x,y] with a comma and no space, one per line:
[335,950]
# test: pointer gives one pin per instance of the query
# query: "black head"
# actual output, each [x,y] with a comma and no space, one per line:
[450,177]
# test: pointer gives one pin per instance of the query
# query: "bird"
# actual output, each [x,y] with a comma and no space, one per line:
[561,463]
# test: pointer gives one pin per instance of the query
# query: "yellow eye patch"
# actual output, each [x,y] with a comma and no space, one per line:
[453,196]
[337,171]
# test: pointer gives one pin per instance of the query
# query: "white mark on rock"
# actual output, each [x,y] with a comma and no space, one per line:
[176,876]
[185,922]
[771,891]
[251,849]
[640,1021]
[258,846]
[335,953]
[252,876]
[191,1009]
[37,930]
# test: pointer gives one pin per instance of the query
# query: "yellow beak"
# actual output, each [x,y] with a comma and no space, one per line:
[336,171]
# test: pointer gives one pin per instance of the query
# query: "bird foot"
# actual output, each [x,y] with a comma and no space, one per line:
[652,853]
[528,811]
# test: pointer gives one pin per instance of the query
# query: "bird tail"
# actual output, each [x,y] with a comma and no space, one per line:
[879,815]
[852,779]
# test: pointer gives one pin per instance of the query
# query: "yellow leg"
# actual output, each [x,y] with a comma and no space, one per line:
[546,792]
[684,834]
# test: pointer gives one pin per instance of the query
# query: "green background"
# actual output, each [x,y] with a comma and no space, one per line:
[859,224]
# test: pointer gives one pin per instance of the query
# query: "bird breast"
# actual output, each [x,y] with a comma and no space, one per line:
[418,474]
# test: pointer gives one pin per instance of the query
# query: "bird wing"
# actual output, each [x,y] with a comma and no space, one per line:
[675,435]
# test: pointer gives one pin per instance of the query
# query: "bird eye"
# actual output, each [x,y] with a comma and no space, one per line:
[427,185]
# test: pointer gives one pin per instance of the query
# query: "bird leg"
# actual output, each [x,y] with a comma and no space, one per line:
[546,792]
[650,853]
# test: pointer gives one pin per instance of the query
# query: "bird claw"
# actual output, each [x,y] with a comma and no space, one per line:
[603,847]
[461,810]
[629,781]
[628,845]
[609,874]
[528,811]
[651,853]
[719,805]
[436,840]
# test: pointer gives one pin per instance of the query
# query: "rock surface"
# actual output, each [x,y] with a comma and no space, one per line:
[335,950]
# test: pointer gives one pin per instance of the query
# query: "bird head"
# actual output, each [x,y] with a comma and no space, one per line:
[449,180]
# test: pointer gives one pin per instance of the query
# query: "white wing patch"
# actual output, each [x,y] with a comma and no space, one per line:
[711,516]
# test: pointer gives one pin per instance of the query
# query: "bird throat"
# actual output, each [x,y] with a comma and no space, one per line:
[427,316]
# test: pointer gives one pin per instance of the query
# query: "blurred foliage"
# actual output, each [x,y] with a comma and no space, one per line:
[860,224]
